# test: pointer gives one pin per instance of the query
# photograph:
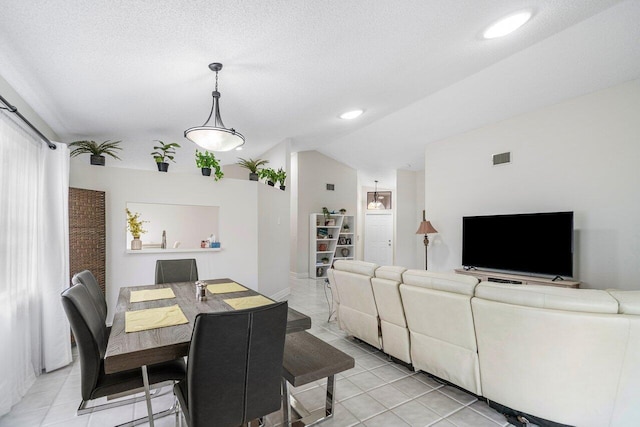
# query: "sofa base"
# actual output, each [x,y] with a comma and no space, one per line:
[409,366]
[520,419]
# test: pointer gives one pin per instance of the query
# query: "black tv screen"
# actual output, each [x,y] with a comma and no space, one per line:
[540,243]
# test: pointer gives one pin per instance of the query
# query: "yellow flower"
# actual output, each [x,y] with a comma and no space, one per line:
[134,223]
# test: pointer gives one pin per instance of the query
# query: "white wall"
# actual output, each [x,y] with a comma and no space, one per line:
[278,156]
[239,232]
[235,171]
[314,171]
[581,155]
[408,207]
[273,240]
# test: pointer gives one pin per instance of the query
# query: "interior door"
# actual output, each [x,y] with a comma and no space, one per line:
[378,238]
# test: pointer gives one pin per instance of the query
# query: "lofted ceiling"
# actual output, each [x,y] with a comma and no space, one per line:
[137,70]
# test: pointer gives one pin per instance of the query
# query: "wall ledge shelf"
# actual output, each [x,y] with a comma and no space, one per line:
[171,250]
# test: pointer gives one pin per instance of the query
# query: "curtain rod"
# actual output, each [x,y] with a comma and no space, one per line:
[14,110]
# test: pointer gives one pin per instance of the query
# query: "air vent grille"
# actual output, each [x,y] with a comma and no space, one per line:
[502,158]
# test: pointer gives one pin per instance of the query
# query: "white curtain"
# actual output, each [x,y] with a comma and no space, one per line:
[34,259]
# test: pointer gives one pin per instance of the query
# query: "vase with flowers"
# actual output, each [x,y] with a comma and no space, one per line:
[134,224]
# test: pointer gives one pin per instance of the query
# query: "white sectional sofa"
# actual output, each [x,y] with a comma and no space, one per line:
[571,356]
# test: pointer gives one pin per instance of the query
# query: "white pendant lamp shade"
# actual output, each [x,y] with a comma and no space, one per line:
[216,137]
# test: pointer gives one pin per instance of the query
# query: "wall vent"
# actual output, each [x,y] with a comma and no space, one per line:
[502,158]
[331,187]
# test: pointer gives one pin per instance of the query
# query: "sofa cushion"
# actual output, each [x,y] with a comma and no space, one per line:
[555,298]
[628,301]
[390,272]
[448,282]
[357,267]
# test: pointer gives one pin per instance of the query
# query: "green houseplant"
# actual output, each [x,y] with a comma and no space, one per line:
[269,175]
[163,153]
[97,151]
[326,213]
[281,177]
[207,161]
[253,166]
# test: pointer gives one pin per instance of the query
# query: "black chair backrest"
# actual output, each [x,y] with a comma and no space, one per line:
[176,270]
[90,332]
[89,281]
[234,368]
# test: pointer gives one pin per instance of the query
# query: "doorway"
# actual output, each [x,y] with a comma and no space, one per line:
[378,237]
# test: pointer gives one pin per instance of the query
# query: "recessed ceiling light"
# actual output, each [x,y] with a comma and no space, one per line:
[350,115]
[239,148]
[507,25]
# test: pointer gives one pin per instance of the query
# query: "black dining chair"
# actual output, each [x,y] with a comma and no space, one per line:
[91,337]
[176,270]
[89,281]
[234,369]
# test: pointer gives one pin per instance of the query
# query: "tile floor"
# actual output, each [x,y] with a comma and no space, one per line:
[374,393]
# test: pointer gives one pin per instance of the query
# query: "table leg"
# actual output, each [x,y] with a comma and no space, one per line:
[145,380]
[331,398]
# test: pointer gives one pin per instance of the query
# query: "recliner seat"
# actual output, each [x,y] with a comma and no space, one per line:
[438,312]
[357,310]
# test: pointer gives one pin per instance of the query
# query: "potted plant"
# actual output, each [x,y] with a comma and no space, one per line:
[343,211]
[326,213]
[134,224]
[253,166]
[281,176]
[96,150]
[269,175]
[163,153]
[207,161]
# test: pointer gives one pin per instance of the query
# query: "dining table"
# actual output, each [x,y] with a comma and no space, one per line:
[137,350]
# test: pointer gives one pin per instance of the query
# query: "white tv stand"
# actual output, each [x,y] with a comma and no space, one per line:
[516,279]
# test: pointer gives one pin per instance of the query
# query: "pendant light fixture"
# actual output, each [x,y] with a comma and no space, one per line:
[375,203]
[215,137]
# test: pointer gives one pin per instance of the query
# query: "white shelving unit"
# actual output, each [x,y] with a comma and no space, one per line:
[329,239]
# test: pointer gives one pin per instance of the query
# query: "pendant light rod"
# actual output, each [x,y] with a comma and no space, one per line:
[215,106]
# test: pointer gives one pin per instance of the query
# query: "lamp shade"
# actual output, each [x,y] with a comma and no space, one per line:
[214,138]
[426,228]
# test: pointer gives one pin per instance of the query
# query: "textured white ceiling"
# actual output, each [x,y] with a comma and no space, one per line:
[137,70]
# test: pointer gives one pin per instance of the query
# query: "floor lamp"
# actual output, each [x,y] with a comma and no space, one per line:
[425,228]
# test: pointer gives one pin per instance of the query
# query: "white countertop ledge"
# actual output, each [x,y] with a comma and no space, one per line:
[171,250]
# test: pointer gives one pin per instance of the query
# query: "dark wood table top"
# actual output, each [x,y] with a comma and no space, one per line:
[132,350]
[307,358]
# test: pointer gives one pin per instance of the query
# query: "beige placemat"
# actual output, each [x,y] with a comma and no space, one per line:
[248,302]
[153,318]
[225,288]
[151,295]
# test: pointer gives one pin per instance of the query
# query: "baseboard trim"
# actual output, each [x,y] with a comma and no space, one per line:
[294,275]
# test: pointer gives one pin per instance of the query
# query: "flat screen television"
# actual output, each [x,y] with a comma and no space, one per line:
[539,243]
